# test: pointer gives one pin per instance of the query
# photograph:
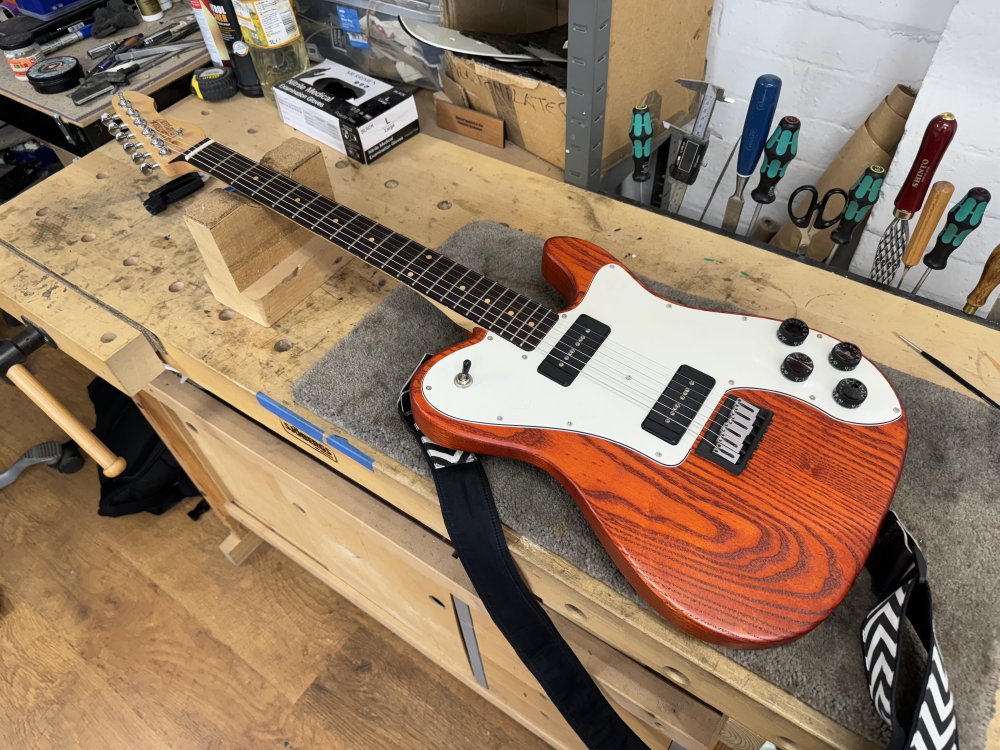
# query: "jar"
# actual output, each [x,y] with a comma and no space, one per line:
[21,52]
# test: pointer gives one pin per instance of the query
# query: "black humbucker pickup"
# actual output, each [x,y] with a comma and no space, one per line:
[574,350]
[678,404]
[731,438]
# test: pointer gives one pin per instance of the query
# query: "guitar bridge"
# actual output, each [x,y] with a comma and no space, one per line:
[734,434]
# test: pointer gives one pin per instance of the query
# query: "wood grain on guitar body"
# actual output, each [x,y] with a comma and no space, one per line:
[737,469]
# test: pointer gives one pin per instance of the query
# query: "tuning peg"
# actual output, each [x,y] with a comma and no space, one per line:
[155,140]
[129,145]
[107,116]
[129,111]
[123,135]
[137,120]
[163,151]
[148,168]
[138,156]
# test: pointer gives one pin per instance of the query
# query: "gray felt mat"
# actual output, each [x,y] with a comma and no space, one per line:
[947,496]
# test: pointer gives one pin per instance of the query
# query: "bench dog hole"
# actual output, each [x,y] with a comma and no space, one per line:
[132,260]
[283,345]
[575,611]
[227,314]
[107,338]
[41,212]
[176,286]
[88,237]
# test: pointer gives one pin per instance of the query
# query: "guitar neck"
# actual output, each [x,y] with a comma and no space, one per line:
[510,315]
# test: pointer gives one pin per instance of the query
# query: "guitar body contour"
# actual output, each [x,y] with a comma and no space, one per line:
[749,559]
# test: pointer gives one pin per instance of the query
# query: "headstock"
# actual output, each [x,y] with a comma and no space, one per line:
[150,139]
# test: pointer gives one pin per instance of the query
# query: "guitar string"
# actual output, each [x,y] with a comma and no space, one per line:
[654,395]
[556,330]
[553,331]
[354,238]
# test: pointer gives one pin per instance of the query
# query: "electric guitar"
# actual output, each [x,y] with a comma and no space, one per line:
[736,468]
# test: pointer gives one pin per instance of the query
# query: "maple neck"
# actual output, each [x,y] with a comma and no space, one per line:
[487,303]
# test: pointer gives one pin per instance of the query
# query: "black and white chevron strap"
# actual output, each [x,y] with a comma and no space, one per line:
[899,575]
[438,455]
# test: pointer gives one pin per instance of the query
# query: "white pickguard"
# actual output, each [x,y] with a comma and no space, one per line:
[650,338]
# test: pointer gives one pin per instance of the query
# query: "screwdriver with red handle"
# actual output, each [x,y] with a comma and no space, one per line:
[938,135]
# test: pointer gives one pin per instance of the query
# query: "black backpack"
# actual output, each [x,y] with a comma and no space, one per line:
[153,481]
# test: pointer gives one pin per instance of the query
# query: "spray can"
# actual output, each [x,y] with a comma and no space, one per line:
[239,53]
[210,32]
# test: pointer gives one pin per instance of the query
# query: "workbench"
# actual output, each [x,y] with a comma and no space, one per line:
[56,119]
[123,293]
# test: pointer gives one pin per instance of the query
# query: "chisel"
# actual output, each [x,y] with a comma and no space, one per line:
[937,202]
[760,113]
[937,136]
[987,283]
[640,134]
[861,198]
[963,218]
[779,151]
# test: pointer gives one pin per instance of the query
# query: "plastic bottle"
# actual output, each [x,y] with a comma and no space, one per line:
[272,32]
[149,10]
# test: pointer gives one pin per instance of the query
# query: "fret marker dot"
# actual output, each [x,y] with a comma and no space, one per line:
[531,324]
[487,300]
[409,273]
[298,200]
[428,256]
[510,312]
[256,177]
[462,287]
[371,239]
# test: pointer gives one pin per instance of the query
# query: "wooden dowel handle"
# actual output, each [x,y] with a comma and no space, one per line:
[987,283]
[937,202]
[110,464]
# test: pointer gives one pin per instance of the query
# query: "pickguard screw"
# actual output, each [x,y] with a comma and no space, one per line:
[895,409]
[524,356]
[569,424]
[744,317]
[489,338]
[427,388]
[499,419]
[732,382]
[658,454]
[812,398]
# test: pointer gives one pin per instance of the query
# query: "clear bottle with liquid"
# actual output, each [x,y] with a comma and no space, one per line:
[273,34]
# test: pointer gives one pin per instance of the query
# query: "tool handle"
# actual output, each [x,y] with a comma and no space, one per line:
[987,283]
[640,133]
[964,217]
[760,113]
[937,136]
[861,198]
[779,151]
[110,464]
[937,201]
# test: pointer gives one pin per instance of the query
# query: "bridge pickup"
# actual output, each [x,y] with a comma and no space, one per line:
[574,350]
[678,404]
[734,434]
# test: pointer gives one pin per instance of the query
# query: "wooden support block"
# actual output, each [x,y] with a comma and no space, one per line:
[260,263]
[238,549]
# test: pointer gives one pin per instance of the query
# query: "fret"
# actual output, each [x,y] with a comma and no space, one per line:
[486,303]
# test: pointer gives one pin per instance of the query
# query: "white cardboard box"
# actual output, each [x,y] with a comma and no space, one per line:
[357,115]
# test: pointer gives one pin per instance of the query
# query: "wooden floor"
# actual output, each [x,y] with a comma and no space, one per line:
[136,633]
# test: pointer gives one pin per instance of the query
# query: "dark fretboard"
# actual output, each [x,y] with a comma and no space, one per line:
[487,303]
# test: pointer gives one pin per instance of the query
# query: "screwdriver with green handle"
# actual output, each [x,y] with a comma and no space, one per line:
[779,151]
[963,218]
[640,134]
[861,197]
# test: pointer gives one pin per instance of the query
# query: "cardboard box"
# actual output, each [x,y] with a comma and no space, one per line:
[357,115]
[468,122]
[534,112]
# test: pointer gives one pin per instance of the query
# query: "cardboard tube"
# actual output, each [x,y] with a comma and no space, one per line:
[874,143]
[110,464]
[765,230]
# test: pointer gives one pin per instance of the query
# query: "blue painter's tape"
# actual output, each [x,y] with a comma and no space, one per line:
[308,428]
[282,411]
[345,447]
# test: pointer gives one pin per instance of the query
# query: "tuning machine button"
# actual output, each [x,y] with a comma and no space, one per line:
[797,367]
[792,331]
[148,168]
[123,135]
[108,117]
[129,145]
[138,156]
[850,393]
[845,356]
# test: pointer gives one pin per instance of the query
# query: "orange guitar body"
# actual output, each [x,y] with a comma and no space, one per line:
[749,560]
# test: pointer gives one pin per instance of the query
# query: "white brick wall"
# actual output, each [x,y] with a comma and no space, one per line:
[836,58]
[962,79]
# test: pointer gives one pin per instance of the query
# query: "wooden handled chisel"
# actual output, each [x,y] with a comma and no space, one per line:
[989,281]
[937,202]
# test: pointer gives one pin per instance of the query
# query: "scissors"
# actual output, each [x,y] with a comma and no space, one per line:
[815,214]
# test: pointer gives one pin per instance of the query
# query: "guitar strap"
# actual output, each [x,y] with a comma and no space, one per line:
[896,565]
